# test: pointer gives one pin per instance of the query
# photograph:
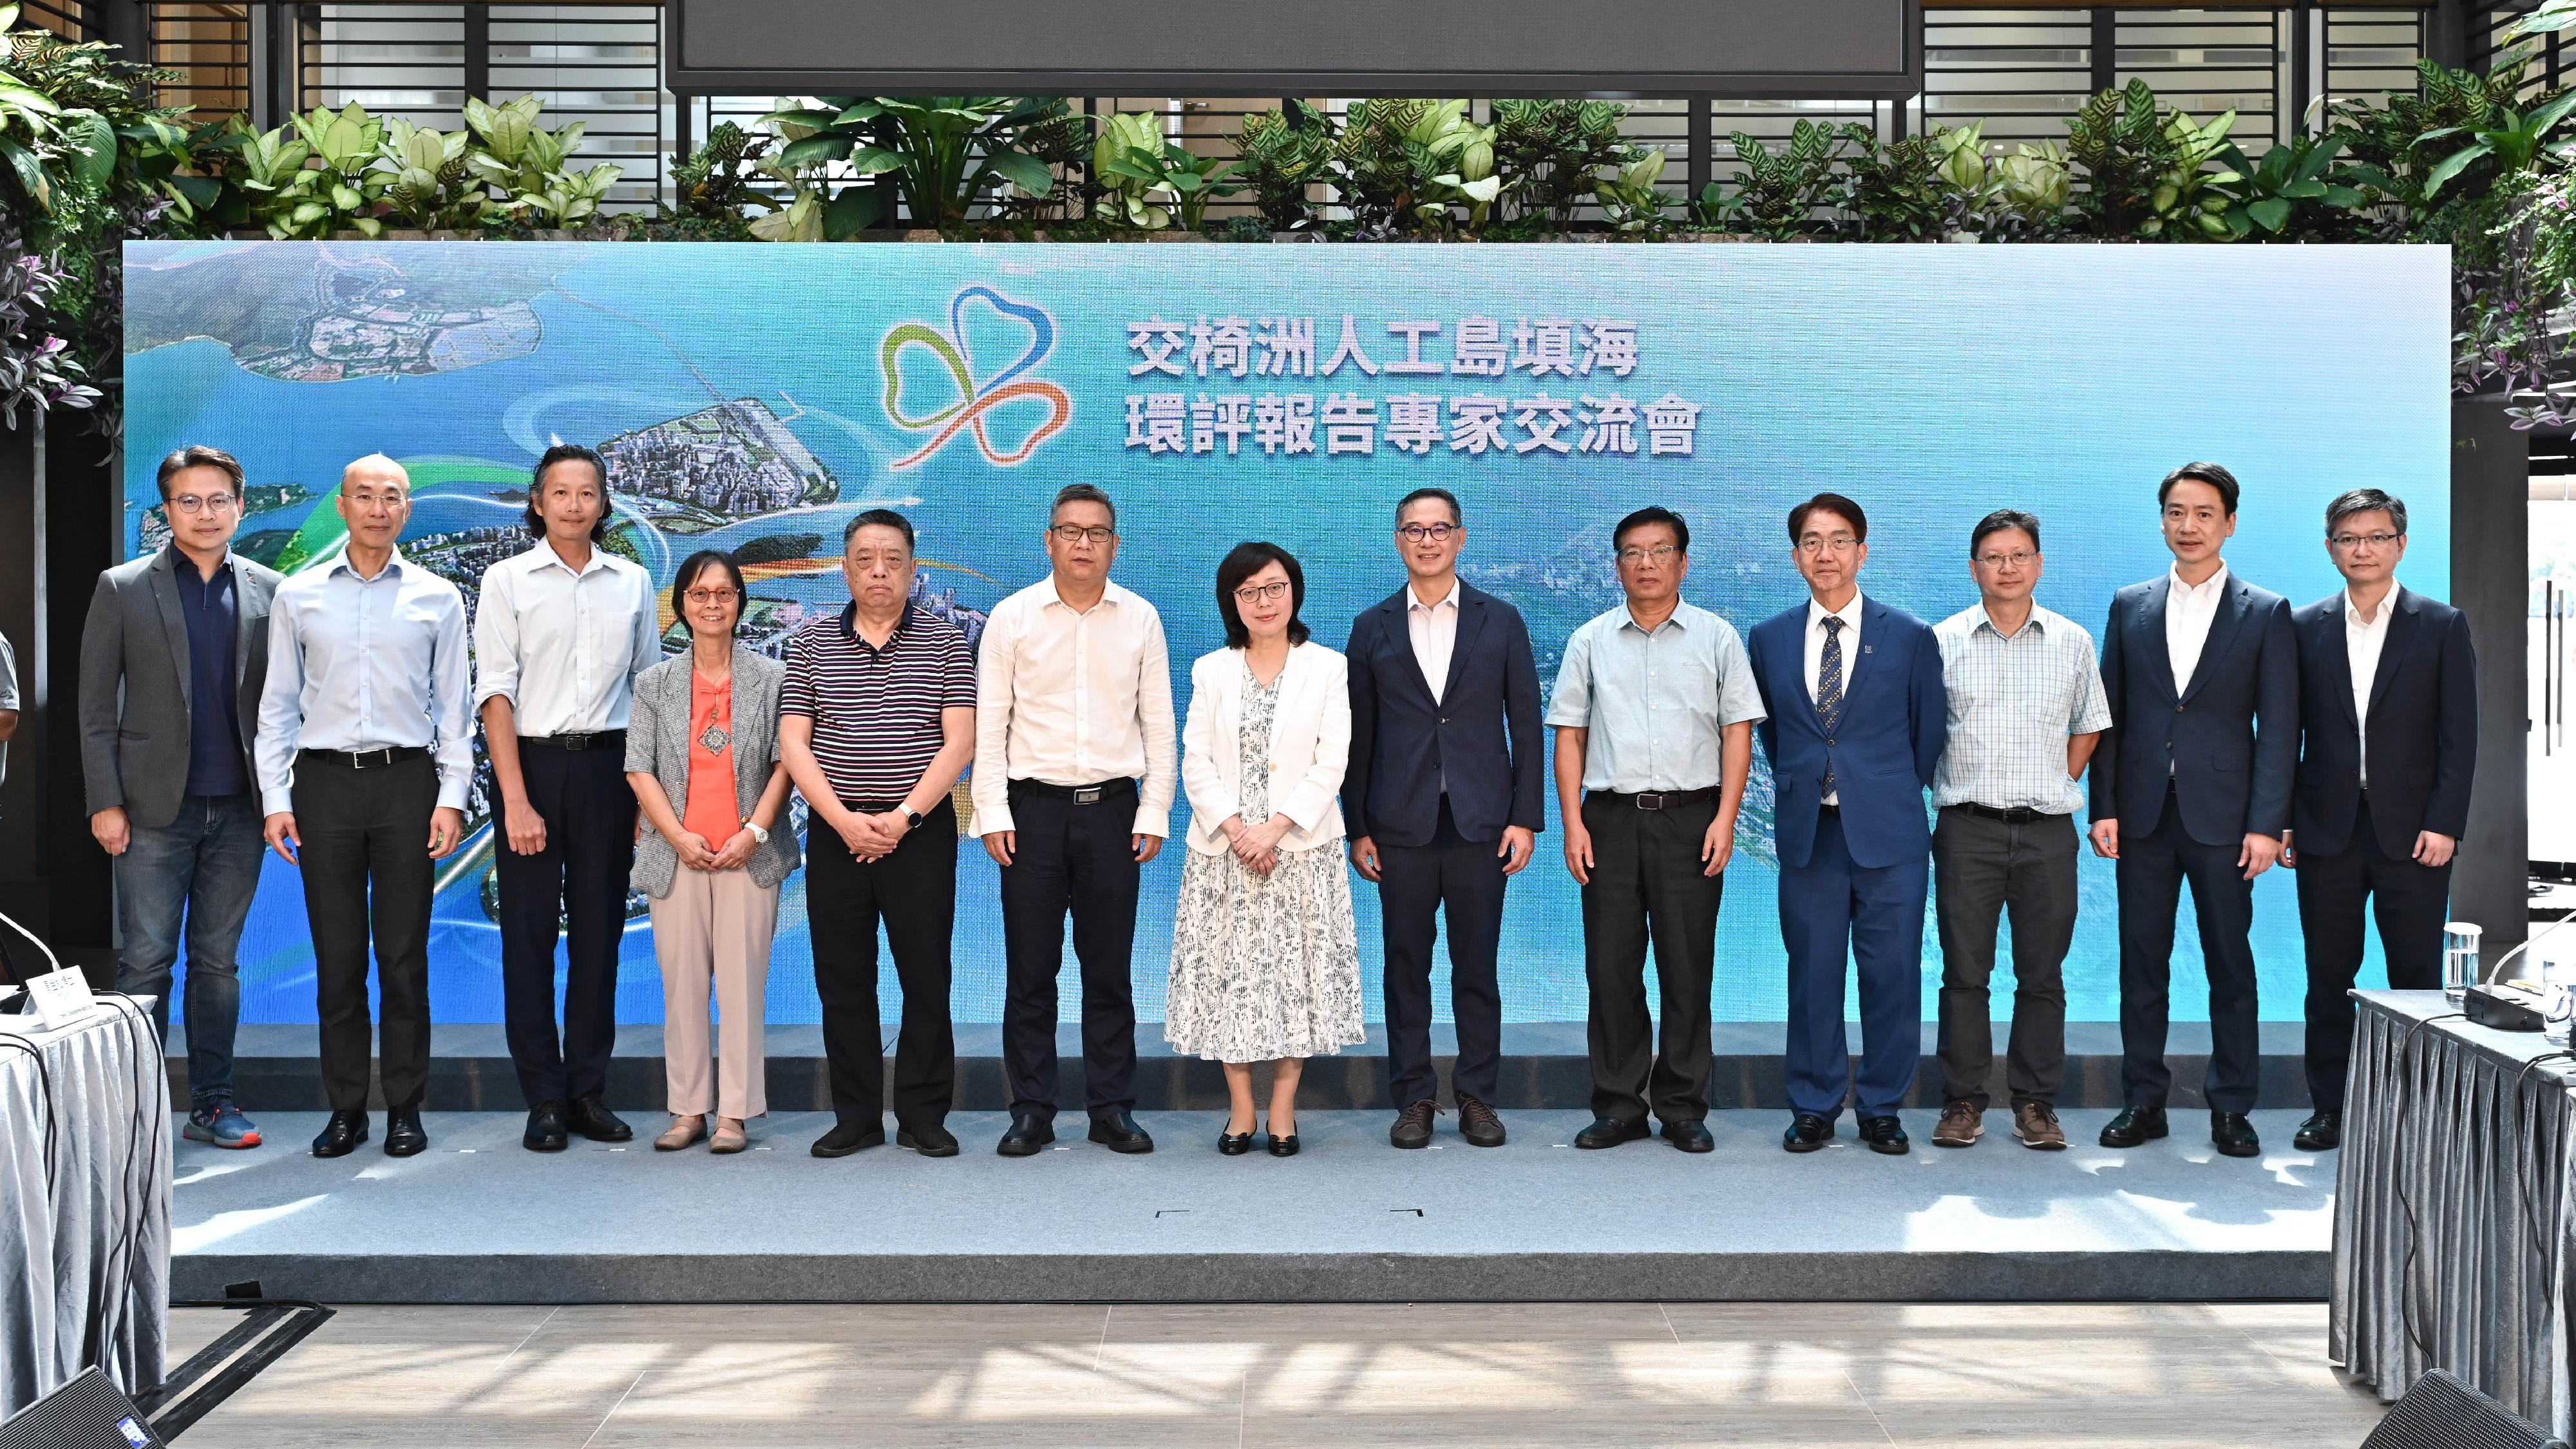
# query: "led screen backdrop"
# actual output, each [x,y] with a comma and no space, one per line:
[754,397]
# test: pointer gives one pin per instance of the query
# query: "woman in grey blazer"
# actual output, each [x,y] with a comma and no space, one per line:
[702,754]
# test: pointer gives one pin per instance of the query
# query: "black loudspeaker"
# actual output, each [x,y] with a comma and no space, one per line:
[2440,1412]
[87,1413]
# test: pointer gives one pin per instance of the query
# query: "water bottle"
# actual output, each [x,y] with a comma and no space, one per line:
[2558,995]
[2459,958]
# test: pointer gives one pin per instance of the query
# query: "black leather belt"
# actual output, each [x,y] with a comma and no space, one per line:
[363,759]
[1666,800]
[2011,814]
[595,740]
[1078,794]
[1834,810]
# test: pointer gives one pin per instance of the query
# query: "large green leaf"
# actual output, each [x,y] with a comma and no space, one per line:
[813,149]
[2271,213]
[853,210]
[31,174]
[93,147]
[1024,171]
[876,160]
[2452,165]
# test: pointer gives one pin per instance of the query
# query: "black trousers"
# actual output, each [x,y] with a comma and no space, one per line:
[2409,899]
[1417,885]
[913,892]
[1077,859]
[368,876]
[2153,866]
[1984,869]
[1648,882]
[574,888]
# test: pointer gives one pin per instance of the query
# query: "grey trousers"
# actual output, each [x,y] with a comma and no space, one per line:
[1983,869]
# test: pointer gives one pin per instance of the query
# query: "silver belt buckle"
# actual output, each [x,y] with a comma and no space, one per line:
[1650,802]
[371,759]
[1087,795]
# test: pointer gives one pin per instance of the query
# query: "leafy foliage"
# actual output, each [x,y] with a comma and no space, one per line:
[946,155]
[1552,153]
[2120,139]
[1415,165]
[1284,154]
[1778,194]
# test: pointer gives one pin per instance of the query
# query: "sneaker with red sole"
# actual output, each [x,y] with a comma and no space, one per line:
[221,1125]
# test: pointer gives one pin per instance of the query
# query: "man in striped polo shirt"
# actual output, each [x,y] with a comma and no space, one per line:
[2026,709]
[876,722]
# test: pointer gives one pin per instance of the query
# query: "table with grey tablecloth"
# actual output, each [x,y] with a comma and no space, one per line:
[84,1202]
[2453,1206]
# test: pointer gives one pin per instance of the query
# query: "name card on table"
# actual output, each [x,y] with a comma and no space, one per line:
[61,997]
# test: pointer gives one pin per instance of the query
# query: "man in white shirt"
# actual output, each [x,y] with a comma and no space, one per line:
[2192,783]
[1078,761]
[560,632]
[2388,720]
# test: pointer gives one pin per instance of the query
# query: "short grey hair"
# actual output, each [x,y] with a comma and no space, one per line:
[2365,500]
[1083,493]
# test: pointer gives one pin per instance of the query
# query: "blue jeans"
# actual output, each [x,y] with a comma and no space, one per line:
[199,871]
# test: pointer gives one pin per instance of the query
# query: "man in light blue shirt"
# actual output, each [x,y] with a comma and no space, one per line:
[1654,711]
[2026,709]
[364,758]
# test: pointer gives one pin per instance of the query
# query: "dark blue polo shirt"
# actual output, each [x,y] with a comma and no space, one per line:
[210,608]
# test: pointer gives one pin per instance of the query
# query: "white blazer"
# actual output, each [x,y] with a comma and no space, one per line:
[1310,745]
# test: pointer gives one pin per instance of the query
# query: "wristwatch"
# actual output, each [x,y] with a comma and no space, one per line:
[758,835]
[911,817]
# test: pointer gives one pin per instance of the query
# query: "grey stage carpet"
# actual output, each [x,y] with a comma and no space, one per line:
[478,1219]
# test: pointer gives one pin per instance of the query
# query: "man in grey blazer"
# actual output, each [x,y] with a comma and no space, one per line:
[172,661]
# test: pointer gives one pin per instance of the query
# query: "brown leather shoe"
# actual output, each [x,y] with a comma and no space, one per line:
[2035,1123]
[1961,1125]
[1477,1123]
[1413,1125]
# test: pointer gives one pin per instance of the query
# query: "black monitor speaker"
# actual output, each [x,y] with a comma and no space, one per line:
[87,1413]
[2440,1412]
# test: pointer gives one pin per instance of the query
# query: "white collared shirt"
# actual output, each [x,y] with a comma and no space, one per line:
[1816,615]
[1434,629]
[2189,609]
[564,647]
[1074,698]
[364,664]
[2362,643]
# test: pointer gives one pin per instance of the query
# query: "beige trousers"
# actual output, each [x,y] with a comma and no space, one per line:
[714,925]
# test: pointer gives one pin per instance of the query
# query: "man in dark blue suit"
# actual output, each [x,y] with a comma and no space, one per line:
[1857,716]
[2192,782]
[1443,803]
[2388,717]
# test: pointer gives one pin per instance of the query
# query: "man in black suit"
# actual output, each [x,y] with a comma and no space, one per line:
[2192,782]
[1443,803]
[2388,718]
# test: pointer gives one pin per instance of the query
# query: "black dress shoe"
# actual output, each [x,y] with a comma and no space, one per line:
[341,1135]
[1413,1125]
[847,1136]
[403,1134]
[1477,1122]
[927,1138]
[1690,1136]
[1121,1134]
[1608,1132]
[2233,1135]
[545,1128]
[1283,1146]
[1028,1136]
[1233,1144]
[1807,1132]
[1884,1134]
[2320,1133]
[591,1118]
[2135,1126]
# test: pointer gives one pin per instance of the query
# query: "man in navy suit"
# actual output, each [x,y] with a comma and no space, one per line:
[2192,782]
[2388,717]
[1857,715]
[1443,803]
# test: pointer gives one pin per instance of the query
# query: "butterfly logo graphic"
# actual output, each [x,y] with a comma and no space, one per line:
[976,398]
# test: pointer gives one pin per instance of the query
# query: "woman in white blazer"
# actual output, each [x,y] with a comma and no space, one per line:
[1265,953]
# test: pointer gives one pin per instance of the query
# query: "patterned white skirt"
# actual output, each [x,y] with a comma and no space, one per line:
[1264,968]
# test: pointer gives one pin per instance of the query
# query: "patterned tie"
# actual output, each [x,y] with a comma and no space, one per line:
[1829,688]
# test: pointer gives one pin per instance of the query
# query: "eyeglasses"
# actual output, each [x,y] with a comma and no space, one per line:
[1076,533]
[2351,541]
[1427,532]
[1261,593]
[712,596]
[1660,553]
[1813,546]
[2021,560]
[191,503]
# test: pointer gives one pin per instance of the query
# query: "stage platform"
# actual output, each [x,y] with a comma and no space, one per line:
[477,1219]
[1544,1069]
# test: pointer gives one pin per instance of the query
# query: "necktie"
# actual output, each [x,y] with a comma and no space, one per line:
[1829,689]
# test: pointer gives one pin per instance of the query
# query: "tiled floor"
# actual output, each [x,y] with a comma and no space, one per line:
[1271,1374]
